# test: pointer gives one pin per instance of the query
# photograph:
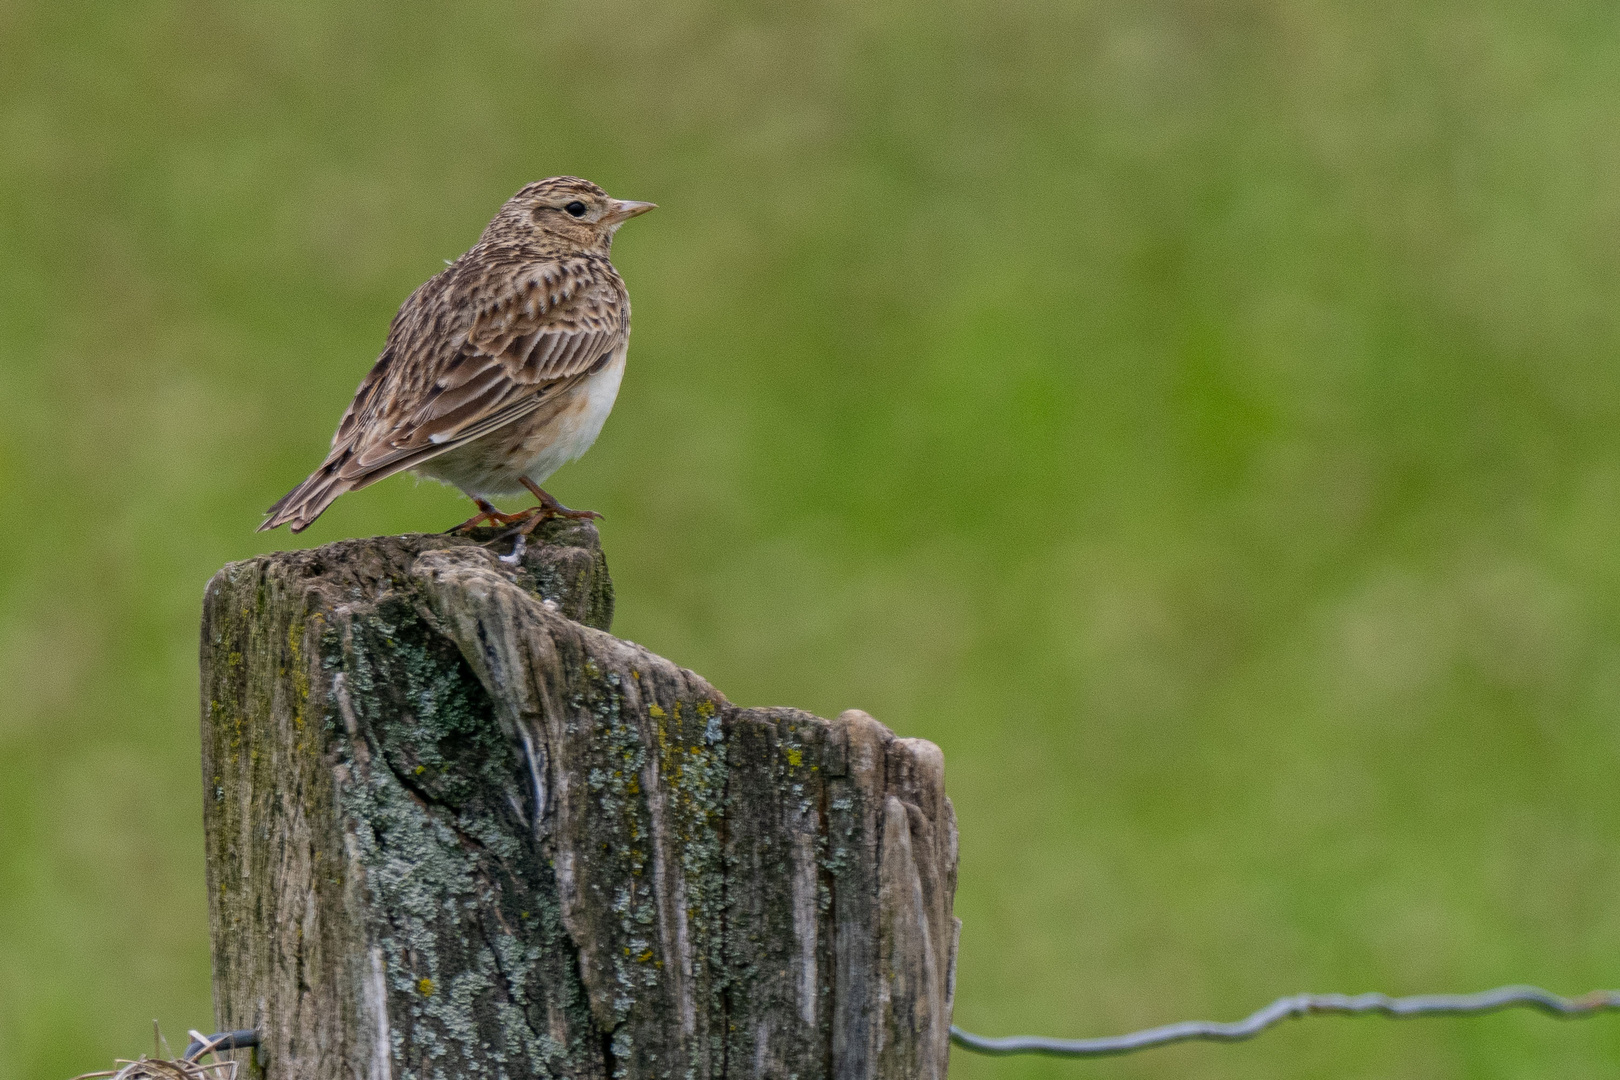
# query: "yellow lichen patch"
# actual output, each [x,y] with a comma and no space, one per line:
[795,756]
[424,986]
[300,672]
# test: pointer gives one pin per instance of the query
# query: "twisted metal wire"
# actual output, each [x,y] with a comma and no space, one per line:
[225,1040]
[1297,1005]
[1285,1008]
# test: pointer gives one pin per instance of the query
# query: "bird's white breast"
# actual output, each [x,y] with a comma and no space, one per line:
[580,421]
[536,445]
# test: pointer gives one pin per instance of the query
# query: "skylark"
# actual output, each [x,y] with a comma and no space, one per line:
[499,370]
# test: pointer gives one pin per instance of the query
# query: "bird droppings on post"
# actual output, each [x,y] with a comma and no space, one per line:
[519,546]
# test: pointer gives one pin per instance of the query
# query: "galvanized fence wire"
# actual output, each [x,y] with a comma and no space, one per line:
[1286,1008]
[1298,1005]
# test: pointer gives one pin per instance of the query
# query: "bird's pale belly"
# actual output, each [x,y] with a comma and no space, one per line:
[536,445]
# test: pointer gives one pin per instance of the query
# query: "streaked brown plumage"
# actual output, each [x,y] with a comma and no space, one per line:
[497,371]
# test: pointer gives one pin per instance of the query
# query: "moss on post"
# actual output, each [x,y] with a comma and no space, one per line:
[457,829]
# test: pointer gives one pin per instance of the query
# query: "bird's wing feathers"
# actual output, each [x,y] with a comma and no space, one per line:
[539,331]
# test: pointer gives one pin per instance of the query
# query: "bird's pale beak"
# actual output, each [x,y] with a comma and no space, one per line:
[625,209]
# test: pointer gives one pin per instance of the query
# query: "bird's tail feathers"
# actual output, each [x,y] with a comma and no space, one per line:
[303,504]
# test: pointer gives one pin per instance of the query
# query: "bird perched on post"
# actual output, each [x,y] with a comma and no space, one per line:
[499,370]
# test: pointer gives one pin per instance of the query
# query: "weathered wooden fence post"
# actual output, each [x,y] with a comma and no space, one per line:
[456,829]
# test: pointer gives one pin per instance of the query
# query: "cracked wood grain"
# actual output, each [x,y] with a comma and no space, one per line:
[455,828]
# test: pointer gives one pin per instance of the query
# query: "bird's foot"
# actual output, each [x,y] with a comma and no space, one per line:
[526,520]
[572,515]
[539,515]
[488,514]
[550,508]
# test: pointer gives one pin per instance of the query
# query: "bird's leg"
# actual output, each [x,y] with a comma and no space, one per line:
[549,507]
[487,512]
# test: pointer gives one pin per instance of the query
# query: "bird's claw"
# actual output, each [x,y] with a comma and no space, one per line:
[496,519]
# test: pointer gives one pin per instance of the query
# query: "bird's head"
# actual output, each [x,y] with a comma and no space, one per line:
[565,213]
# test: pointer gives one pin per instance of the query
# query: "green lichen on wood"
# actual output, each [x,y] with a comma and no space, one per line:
[465,904]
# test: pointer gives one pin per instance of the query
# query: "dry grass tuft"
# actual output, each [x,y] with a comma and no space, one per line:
[189,1067]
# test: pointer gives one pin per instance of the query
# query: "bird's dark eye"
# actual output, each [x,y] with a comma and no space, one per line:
[575,208]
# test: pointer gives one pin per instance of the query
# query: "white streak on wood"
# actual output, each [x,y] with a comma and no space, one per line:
[804,921]
[376,1003]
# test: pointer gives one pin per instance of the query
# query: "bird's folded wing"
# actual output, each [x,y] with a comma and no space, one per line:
[482,389]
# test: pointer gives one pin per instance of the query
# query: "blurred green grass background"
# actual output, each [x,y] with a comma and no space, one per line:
[1197,417]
